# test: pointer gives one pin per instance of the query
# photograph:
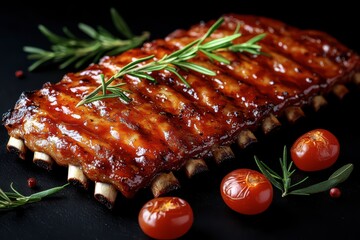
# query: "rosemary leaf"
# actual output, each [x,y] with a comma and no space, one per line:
[91,32]
[14,199]
[68,62]
[216,57]
[38,63]
[283,162]
[256,39]
[4,197]
[142,67]
[212,29]
[250,46]
[120,24]
[174,71]
[143,75]
[268,175]
[195,67]
[299,182]
[103,85]
[85,59]
[187,50]
[220,43]
[153,68]
[34,50]
[70,50]
[47,192]
[52,37]
[132,65]
[68,33]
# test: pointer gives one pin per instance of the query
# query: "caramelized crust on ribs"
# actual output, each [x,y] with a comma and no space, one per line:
[165,124]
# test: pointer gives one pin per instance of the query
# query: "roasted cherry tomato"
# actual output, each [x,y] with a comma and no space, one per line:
[315,150]
[166,217]
[246,191]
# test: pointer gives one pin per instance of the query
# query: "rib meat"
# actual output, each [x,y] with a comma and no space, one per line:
[128,144]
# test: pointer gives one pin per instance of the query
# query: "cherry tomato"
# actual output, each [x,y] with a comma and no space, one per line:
[166,217]
[246,191]
[315,150]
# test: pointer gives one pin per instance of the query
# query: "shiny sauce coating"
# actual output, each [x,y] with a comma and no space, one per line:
[166,123]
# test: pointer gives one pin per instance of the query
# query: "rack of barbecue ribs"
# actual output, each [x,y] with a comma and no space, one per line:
[167,127]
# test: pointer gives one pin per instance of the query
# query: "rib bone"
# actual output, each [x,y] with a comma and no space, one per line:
[293,114]
[108,137]
[76,176]
[164,183]
[195,166]
[222,153]
[43,160]
[105,193]
[17,146]
[270,123]
[340,90]
[245,138]
[357,78]
[318,102]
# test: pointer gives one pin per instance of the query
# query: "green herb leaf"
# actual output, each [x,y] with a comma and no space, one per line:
[52,37]
[34,50]
[14,199]
[143,75]
[337,177]
[91,32]
[71,50]
[250,46]
[48,192]
[120,24]
[212,29]
[196,68]
[38,63]
[216,57]
[141,68]
[342,173]
[68,33]
[220,43]
[174,71]
[263,168]
[256,39]
[285,185]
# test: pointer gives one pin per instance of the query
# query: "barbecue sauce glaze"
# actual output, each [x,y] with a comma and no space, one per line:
[166,123]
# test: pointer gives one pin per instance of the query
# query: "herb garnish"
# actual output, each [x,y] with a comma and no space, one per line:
[179,58]
[14,199]
[78,51]
[283,181]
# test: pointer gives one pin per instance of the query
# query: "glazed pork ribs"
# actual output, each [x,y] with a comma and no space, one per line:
[167,126]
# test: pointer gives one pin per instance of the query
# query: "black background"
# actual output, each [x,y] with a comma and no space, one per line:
[74,213]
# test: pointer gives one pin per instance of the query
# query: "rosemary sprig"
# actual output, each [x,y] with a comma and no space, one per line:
[283,181]
[142,67]
[14,199]
[69,49]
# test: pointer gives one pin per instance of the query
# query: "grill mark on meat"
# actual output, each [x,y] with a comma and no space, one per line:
[174,105]
[100,135]
[313,49]
[254,77]
[214,102]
